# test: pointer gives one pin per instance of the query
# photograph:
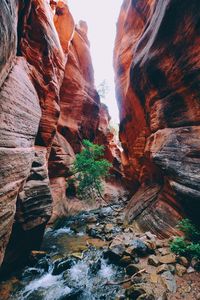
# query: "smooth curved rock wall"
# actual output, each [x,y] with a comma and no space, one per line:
[157,69]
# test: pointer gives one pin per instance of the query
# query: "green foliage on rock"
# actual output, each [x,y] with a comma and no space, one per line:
[189,245]
[190,231]
[89,169]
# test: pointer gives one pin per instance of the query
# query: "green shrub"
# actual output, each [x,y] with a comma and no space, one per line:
[190,231]
[184,248]
[189,245]
[178,246]
[89,169]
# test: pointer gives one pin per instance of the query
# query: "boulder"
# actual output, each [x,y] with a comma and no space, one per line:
[180,270]
[139,247]
[153,261]
[62,265]
[131,269]
[169,281]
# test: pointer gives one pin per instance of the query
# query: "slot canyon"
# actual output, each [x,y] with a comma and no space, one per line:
[55,246]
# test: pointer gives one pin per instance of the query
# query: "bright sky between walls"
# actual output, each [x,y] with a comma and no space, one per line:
[101,17]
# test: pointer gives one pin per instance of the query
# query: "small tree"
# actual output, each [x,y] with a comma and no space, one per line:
[89,168]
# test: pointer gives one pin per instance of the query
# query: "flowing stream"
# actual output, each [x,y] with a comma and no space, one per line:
[72,265]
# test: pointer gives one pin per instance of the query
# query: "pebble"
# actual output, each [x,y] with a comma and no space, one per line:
[167,259]
[180,270]
[190,270]
[153,261]
[162,269]
[154,278]
[183,261]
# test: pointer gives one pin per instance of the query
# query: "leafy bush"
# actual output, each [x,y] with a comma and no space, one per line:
[191,232]
[189,245]
[178,246]
[89,169]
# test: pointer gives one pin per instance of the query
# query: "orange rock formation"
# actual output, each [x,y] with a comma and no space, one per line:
[156,62]
[48,105]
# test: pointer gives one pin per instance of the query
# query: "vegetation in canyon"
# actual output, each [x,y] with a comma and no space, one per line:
[189,245]
[89,169]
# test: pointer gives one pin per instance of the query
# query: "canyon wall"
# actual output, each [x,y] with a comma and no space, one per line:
[157,67]
[48,105]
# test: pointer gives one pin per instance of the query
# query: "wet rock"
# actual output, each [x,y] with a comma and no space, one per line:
[131,269]
[63,265]
[78,255]
[125,261]
[115,253]
[35,295]
[167,259]
[153,261]
[44,264]
[162,269]
[139,247]
[169,281]
[95,267]
[120,297]
[180,270]
[31,273]
[93,233]
[73,295]
[38,254]
[134,292]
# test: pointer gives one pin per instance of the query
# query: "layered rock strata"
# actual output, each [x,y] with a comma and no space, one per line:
[156,61]
[49,104]
[32,70]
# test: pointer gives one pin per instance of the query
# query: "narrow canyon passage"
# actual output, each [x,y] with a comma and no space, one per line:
[123,76]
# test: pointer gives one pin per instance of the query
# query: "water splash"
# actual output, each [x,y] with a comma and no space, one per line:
[48,287]
[106,271]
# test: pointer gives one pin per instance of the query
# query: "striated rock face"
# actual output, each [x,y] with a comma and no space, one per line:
[20,115]
[49,104]
[156,61]
[31,74]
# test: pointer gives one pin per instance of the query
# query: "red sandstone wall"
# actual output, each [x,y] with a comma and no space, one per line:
[48,105]
[157,65]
